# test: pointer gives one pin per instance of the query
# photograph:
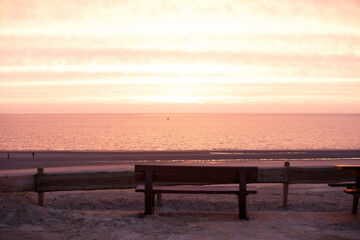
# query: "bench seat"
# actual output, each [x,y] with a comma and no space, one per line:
[207,189]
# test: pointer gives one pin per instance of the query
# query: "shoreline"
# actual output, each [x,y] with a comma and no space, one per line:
[2,151]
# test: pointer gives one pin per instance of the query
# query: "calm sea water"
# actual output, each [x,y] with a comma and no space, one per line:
[179,132]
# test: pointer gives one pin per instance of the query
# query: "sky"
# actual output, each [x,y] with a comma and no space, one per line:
[66,56]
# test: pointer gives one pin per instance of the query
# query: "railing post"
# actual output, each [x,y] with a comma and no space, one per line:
[41,195]
[286,185]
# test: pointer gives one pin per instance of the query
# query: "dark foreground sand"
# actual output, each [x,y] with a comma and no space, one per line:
[316,211]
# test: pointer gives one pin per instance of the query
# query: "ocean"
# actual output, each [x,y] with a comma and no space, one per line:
[150,132]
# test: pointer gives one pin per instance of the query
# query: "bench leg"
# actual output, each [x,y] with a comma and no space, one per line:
[242,196]
[356,196]
[153,202]
[355,204]
[149,196]
[158,200]
[41,197]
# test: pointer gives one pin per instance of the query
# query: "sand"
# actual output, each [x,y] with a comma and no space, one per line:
[315,211]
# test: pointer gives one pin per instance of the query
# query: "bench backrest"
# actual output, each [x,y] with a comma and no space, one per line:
[200,174]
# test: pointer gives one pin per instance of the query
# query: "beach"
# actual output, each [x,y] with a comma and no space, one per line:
[315,211]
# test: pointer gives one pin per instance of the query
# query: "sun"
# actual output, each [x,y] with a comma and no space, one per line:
[175,99]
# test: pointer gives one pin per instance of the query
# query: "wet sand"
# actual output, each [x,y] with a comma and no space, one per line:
[104,159]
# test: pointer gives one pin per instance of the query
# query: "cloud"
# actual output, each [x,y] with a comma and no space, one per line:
[177,63]
[174,17]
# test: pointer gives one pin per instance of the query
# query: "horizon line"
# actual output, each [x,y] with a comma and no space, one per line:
[176,113]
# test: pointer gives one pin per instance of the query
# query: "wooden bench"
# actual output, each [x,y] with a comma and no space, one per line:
[176,174]
[350,189]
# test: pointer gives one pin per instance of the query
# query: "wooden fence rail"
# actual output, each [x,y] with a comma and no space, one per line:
[47,182]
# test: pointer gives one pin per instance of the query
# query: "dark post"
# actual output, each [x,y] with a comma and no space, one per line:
[33,154]
[242,195]
[355,202]
[8,155]
[41,195]
[149,209]
[286,185]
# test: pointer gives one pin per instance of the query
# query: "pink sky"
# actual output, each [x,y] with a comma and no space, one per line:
[172,56]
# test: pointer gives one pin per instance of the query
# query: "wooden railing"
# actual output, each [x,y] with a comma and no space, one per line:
[42,182]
